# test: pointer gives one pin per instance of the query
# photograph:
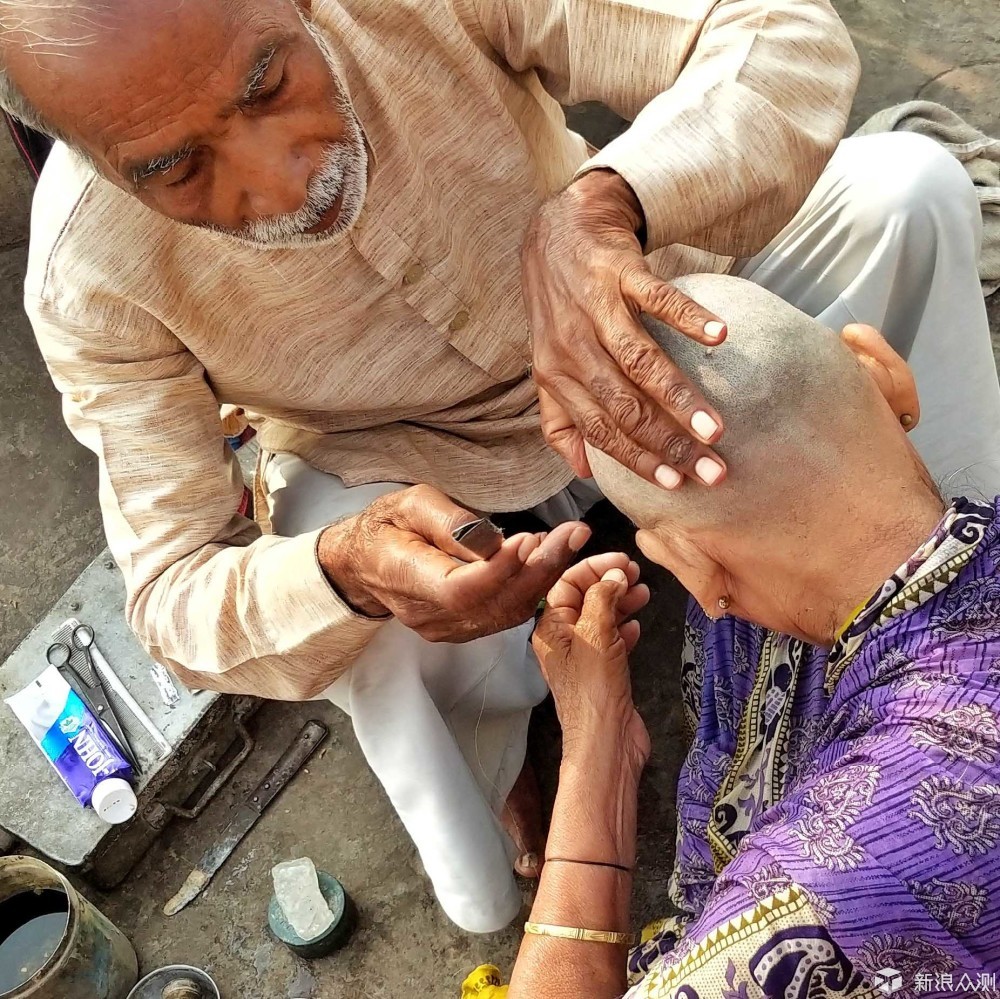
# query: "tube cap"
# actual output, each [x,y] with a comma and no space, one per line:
[114,800]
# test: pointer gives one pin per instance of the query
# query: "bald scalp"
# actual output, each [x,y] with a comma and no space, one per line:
[794,399]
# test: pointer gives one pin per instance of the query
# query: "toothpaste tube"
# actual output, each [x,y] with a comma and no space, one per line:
[76,745]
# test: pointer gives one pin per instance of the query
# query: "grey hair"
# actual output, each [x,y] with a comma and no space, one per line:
[77,26]
[793,397]
[15,103]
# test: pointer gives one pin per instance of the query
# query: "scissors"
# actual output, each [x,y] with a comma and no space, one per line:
[93,693]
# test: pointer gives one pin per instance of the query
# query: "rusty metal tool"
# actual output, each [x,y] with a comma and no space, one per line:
[309,739]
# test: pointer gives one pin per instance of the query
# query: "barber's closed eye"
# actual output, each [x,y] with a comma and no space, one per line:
[190,169]
[270,95]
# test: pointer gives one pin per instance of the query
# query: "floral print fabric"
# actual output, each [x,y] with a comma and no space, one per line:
[840,814]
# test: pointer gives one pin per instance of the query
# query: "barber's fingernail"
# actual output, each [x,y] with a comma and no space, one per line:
[668,477]
[579,537]
[709,470]
[714,329]
[703,425]
[614,576]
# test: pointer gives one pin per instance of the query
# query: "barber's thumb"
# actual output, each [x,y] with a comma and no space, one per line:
[436,518]
[559,547]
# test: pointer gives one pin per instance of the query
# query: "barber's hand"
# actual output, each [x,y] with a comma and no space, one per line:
[583,641]
[398,557]
[600,376]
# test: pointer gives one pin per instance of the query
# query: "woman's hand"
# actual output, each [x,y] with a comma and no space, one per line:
[583,641]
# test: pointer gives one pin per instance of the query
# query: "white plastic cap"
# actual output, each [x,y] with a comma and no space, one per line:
[114,800]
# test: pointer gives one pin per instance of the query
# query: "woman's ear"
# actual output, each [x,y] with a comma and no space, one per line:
[889,371]
[696,571]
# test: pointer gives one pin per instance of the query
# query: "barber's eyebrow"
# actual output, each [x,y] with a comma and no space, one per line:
[255,78]
[138,172]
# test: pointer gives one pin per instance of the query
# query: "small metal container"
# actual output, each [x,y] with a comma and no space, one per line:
[177,981]
[345,920]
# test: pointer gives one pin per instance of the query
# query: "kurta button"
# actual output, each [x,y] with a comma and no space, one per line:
[413,273]
[459,321]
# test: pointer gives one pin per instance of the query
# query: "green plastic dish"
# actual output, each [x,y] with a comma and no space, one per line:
[345,920]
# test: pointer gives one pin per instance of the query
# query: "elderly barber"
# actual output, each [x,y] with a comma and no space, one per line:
[316,211]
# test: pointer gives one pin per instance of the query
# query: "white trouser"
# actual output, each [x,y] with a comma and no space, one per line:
[889,237]
[443,727]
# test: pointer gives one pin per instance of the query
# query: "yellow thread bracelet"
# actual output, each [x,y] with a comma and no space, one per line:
[576,933]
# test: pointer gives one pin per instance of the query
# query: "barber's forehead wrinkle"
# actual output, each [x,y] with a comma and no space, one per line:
[162,124]
[150,64]
[196,105]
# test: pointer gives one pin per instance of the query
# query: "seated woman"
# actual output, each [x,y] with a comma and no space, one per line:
[839,810]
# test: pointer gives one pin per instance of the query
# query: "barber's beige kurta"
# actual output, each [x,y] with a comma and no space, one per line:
[399,351]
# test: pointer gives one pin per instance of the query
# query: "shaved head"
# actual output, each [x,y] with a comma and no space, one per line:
[824,495]
[797,404]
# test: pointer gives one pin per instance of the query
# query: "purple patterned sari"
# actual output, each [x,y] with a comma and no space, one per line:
[839,811]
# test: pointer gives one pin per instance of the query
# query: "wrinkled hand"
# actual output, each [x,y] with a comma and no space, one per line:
[600,376]
[583,641]
[398,557]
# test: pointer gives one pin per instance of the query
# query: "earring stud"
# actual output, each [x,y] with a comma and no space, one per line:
[724,602]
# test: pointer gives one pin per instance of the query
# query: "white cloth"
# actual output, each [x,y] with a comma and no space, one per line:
[977,152]
[889,236]
[443,727]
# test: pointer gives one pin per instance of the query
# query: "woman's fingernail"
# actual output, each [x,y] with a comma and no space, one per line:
[703,425]
[709,470]
[614,576]
[579,537]
[714,329]
[668,477]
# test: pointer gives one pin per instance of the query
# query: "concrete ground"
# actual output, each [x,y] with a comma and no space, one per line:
[946,50]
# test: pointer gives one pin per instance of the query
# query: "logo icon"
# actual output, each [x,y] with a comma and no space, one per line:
[888,981]
[69,725]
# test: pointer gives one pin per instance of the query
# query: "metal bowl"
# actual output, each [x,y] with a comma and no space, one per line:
[153,985]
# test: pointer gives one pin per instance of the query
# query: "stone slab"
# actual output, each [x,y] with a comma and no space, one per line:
[35,806]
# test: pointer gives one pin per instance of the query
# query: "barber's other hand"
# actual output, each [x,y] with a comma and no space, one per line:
[583,641]
[398,557]
[600,376]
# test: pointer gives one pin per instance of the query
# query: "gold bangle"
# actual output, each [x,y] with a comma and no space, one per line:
[576,933]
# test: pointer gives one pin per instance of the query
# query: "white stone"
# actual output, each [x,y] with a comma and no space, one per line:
[297,886]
